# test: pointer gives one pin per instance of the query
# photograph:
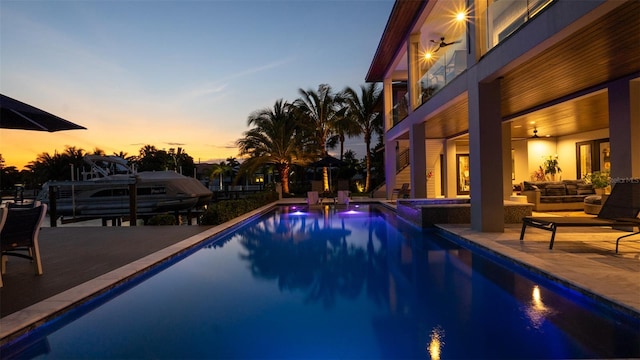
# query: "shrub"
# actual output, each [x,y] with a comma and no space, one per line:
[599,179]
[222,211]
[162,219]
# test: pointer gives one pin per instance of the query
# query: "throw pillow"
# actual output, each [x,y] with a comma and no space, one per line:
[555,190]
[572,189]
[585,189]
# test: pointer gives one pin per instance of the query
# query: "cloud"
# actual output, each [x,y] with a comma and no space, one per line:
[228,145]
[206,90]
[258,69]
[175,143]
[218,86]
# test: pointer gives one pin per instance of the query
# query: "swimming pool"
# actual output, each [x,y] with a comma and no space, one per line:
[331,283]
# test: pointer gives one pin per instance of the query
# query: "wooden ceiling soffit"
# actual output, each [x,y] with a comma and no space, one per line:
[607,49]
[449,122]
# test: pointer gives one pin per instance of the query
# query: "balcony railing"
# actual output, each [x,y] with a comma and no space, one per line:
[402,160]
[447,67]
[504,17]
[400,110]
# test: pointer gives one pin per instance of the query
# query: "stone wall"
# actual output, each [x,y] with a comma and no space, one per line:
[427,212]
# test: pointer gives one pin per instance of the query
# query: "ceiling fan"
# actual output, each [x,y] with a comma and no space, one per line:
[443,43]
[535,133]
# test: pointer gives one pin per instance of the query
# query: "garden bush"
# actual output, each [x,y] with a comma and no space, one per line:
[162,219]
[222,211]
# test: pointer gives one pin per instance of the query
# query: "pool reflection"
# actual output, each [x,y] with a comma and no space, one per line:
[422,280]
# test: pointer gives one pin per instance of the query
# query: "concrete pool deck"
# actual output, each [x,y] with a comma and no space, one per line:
[80,262]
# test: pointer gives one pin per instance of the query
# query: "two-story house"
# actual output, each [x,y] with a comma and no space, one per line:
[478,93]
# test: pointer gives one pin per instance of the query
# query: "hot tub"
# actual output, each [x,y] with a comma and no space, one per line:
[428,212]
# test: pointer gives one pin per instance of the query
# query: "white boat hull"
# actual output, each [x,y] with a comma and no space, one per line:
[157,192]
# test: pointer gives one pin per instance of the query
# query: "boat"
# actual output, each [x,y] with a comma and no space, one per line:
[104,190]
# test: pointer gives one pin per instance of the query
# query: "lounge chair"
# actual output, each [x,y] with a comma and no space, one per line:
[13,205]
[400,193]
[313,198]
[19,232]
[619,210]
[343,197]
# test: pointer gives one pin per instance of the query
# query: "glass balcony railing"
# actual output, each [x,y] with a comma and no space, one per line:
[400,105]
[504,17]
[448,66]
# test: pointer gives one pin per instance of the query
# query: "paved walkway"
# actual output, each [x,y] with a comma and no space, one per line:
[74,255]
[82,261]
[581,258]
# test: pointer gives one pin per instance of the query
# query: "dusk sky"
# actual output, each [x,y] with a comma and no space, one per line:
[174,73]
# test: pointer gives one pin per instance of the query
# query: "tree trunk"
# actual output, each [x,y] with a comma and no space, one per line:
[367,181]
[325,179]
[284,177]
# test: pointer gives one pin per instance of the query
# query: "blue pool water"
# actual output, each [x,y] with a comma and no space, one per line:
[331,283]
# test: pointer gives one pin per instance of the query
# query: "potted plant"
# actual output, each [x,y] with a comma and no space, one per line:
[551,167]
[600,180]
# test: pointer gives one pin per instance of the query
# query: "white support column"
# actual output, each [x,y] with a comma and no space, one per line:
[485,156]
[624,128]
[418,161]
[389,146]
[451,186]
[390,153]
[413,47]
[507,182]
[387,92]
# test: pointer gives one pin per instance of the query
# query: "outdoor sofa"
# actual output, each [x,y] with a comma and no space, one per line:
[556,195]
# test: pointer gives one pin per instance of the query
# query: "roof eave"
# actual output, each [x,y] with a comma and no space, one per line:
[403,16]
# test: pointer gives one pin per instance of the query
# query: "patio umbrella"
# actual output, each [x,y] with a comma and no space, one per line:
[329,162]
[18,115]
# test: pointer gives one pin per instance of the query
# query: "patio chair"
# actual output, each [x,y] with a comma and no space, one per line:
[19,232]
[401,192]
[313,198]
[343,197]
[13,205]
[621,209]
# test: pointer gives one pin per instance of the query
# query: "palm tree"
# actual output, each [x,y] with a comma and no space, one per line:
[320,111]
[274,139]
[344,127]
[177,157]
[219,169]
[98,151]
[74,158]
[362,110]
[152,159]
[121,154]
[49,167]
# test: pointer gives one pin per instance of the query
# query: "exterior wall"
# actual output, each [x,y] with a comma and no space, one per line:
[566,146]
[520,161]
[538,150]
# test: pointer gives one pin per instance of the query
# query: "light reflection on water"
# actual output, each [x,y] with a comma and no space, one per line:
[536,310]
[310,283]
[436,343]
